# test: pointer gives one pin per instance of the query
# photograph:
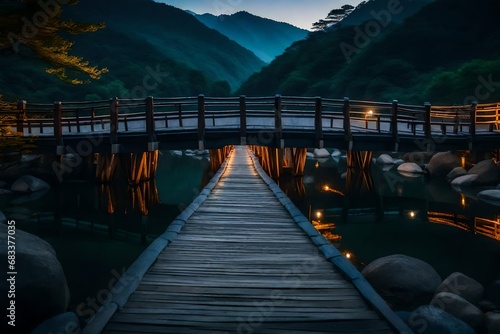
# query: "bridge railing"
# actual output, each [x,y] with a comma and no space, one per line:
[276,113]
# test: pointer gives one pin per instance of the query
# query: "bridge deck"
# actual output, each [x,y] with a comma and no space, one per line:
[241,264]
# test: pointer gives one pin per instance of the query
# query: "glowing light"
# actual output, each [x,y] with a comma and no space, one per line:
[412,214]
[318,214]
[463,201]
[326,188]
[369,113]
[348,255]
[463,162]
[316,164]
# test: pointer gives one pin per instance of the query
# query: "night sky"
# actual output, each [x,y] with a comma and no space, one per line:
[300,13]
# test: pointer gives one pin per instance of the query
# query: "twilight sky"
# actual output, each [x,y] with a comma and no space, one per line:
[301,13]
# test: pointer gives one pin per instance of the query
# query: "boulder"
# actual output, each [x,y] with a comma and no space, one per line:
[5,192]
[465,181]
[418,157]
[41,289]
[63,323]
[399,161]
[29,183]
[385,159]
[459,308]
[405,282]
[310,155]
[463,286]
[487,173]
[492,322]
[321,153]
[336,153]
[498,187]
[442,163]
[410,168]
[490,196]
[456,172]
[432,320]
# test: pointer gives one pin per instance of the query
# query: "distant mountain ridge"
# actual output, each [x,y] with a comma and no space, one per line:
[150,49]
[266,38]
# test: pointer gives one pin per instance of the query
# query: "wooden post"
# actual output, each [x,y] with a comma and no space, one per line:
[473,114]
[347,121]
[21,115]
[394,123]
[150,119]
[58,121]
[243,120]
[201,122]
[427,120]
[318,122]
[180,115]
[278,125]
[113,119]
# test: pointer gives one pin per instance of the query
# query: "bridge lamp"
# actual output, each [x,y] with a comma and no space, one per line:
[369,113]
[348,255]
[319,214]
[326,188]
[412,214]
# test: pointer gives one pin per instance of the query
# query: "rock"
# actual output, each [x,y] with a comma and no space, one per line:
[5,192]
[459,308]
[465,181]
[399,161]
[29,157]
[442,163]
[498,187]
[29,183]
[63,323]
[492,322]
[343,176]
[456,172]
[405,282]
[41,289]
[432,320]
[487,173]
[463,286]
[3,218]
[410,168]
[490,196]
[310,155]
[418,157]
[321,153]
[336,153]
[385,159]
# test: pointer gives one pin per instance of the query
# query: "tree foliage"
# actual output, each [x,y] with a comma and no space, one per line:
[334,17]
[33,28]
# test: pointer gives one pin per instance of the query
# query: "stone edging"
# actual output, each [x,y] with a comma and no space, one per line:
[333,255]
[129,282]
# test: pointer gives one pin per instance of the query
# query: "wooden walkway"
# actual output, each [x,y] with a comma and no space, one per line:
[242,264]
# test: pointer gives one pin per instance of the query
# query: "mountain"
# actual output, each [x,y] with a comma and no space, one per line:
[374,9]
[149,48]
[446,53]
[265,38]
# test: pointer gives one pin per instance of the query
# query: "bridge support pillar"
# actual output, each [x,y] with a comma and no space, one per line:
[217,158]
[359,159]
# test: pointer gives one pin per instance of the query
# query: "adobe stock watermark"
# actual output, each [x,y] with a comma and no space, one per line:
[371,29]
[483,90]
[223,7]
[31,26]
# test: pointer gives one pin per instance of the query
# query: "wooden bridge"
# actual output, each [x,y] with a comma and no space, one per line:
[243,259]
[137,125]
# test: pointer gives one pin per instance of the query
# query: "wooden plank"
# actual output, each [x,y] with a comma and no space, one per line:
[228,264]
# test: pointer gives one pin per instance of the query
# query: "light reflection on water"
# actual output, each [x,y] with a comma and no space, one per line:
[376,213]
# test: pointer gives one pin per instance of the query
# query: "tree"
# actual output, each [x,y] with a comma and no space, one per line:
[334,17]
[35,28]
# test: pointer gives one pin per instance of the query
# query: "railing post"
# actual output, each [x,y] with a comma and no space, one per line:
[150,119]
[347,121]
[318,122]
[21,115]
[427,120]
[394,124]
[58,121]
[201,122]
[473,114]
[278,125]
[243,120]
[113,123]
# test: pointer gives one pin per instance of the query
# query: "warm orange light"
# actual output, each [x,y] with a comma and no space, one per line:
[412,214]
[348,255]
[318,214]
[317,164]
[326,188]
[463,162]
[463,201]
